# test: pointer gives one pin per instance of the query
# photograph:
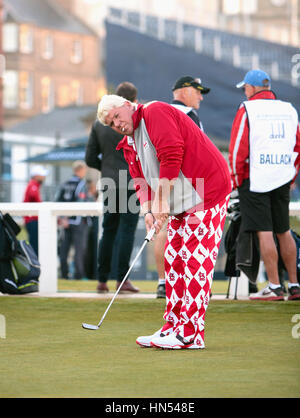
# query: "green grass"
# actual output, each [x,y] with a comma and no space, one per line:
[249,351]
[147,286]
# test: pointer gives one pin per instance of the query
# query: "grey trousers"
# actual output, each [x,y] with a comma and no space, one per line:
[75,235]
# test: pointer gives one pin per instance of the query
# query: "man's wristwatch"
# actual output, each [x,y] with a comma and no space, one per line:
[149,211]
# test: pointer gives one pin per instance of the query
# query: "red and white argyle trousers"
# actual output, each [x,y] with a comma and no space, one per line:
[190,255]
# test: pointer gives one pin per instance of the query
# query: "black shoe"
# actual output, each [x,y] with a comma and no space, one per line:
[294,293]
[161,291]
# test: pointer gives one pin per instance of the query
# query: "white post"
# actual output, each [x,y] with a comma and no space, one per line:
[143,25]
[236,56]
[179,33]
[275,70]
[47,252]
[255,61]
[161,28]
[198,41]
[217,48]
[124,18]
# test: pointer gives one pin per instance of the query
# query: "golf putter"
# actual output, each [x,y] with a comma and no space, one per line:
[148,238]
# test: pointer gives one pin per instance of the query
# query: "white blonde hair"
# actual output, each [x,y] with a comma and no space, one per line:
[77,165]
[108,102]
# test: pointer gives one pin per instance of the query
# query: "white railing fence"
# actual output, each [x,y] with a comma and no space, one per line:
[47,232]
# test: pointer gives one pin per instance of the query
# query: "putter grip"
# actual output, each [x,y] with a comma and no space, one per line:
[150,234]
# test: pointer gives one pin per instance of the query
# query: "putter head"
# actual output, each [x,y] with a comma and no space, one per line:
[88,326]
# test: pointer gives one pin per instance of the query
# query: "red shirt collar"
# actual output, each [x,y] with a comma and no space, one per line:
[264,94]
[35,182]
[136,117]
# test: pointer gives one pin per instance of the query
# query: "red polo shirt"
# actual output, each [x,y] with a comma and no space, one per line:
[32,194]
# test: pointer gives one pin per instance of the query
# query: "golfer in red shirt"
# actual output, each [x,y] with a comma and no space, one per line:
[180,176]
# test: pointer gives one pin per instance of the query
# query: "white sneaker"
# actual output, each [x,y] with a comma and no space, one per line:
[268,294]
[173,342]
[145,341]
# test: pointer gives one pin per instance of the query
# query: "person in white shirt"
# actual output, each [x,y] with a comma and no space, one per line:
[264,156]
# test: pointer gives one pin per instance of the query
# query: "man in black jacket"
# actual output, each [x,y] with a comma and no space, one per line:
[75,228]
[119,220]
[187,95]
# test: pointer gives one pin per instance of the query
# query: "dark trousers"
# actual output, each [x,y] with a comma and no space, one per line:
[118,230]
[74,235]
[32,230]
[91,253]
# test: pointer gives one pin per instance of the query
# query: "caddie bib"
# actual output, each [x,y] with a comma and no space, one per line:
[272,138]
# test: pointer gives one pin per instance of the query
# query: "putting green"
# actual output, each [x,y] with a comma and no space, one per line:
[250,351]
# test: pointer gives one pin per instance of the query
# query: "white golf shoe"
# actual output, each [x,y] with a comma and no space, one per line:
[173,342]
[145,341]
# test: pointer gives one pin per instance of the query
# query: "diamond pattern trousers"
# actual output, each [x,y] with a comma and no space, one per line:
[190,255]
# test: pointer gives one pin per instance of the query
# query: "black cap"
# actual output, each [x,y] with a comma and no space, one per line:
[188,81]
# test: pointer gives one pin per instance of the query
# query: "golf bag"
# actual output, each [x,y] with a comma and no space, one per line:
[19,265]
[242,249]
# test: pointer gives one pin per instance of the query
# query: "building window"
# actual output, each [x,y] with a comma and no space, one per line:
[63,95]
[25,87]
[249,7]
[10,89]
[47,46]
[233,7]
[10,37]
[76,54]
[26,39]
[76,92]
[47,92]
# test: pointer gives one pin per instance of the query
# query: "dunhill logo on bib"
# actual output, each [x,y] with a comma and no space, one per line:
[278,131]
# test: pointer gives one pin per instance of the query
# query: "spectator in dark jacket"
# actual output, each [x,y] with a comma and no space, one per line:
[187,95]
[75,228]
[119,222]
